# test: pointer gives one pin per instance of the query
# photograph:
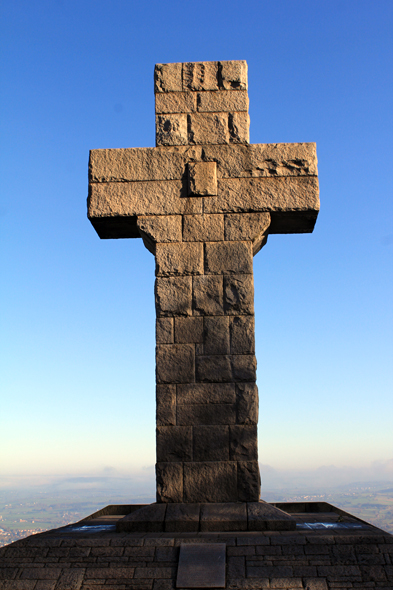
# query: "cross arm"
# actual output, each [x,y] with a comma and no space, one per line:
[277,178]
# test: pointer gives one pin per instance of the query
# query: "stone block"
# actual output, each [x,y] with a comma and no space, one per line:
[169,477]
[211,481]
[262,516]
[107,201]
[239,128]
[205,128]
[174,444]
[224,517]
[206,414]
[173,296]
[245,226]
[171,129]
[159,228]
[164,331]
[215,368]
[168,78]
[223,101]
[233,75]
[200,76]
[202,179]
[239,294]
[228,258]
[247,403]
[243,443]
[179,258]
[182,518]
[207,393]
[284,159]
[278,195]
[188,330]
[203,228]
[149,519]
[136,164]
[207,295]
[244,367]
[216,335]
[248,482]
[242,330]
[165,405]
[210,443]
[175,363]
[175,102]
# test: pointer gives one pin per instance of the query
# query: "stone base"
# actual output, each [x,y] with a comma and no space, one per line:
[193,518]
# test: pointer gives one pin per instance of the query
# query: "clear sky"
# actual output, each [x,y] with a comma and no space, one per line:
[77,313]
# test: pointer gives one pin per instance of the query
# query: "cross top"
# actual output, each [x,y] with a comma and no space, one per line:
[204,201]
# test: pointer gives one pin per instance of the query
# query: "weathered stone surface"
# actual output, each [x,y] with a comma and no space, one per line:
[239,294]
[168,77]
[188,330]
[211,481]
[203,228]
[228,257]
[244,367]
[165,405]
[131,164]
[205,128]
[200,75]
[207,295]
[174,443]
[245,226]
[214,368]
[233,161]
[211,443]
[248,481]
[239,128]
[171,129]
[179,258]
[243,443]
[224,101]
[224,517]
[247,403]
[202,179]
[169,478]
[182,518]
[175,363]
[242,331]
[164,331]
[206,414]
[173,296]
[175,102]
[161,228]
[206,393]
[216,335]
[127,199]
[265,194]
[233,75]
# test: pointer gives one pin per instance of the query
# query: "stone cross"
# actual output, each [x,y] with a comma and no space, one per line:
[204,201]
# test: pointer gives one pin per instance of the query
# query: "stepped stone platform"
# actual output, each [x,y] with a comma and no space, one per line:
[329,549]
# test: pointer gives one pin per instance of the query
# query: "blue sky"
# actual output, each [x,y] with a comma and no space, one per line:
[77,313]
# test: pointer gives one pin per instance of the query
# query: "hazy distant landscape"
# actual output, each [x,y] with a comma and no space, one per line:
[35,509]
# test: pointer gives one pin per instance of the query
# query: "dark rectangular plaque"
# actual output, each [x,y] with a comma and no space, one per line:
[201,565]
